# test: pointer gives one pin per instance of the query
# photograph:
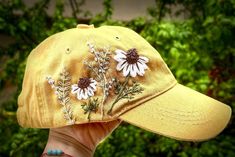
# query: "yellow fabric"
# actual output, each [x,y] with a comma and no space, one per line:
[38,105]
[181,113]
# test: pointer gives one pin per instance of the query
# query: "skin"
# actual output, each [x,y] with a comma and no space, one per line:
[80,140]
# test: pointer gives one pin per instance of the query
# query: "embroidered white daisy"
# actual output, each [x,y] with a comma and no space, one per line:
[130,62]
[85,88]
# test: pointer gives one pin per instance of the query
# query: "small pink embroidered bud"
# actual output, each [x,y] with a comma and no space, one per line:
[51,81]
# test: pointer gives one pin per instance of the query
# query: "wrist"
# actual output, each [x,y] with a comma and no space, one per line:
[67,144]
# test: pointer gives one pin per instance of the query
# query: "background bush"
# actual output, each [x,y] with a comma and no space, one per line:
[200,51]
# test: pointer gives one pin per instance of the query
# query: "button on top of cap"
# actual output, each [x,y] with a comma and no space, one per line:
[84,26]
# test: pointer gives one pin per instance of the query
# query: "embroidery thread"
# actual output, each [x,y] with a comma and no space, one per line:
[130,62]
[85,88]
[131,65]
[89,107]
[62,90]
[99,68]
[123,91]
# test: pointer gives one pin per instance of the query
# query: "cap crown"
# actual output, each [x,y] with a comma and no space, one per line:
[88,75]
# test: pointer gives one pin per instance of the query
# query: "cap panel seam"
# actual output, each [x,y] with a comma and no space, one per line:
[41,102]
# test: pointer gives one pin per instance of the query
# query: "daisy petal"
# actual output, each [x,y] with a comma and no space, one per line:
[79,94]
[144,59]
[135,68]
[79,97]
[119,57]
[118,51]
[85,94]
[121,65]
[143,65]
[90,91]
[74,88]
[140,69]
[141,61]
[93,82]
[132,70]
[93,86]
[79,90]
[126,70]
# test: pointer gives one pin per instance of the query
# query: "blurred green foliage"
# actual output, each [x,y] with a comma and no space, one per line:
[199,49]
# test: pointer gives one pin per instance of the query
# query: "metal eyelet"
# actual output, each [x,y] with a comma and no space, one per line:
[117,38]
[67,51]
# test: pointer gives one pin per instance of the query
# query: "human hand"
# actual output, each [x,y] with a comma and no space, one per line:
[80,140]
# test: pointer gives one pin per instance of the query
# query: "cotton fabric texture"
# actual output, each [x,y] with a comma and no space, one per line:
[87,74]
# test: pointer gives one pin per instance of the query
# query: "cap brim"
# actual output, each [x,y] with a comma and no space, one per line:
[181,113]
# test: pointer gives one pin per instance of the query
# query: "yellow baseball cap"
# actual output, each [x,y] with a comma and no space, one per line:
[87,74]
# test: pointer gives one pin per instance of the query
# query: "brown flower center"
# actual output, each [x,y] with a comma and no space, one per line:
[132,56]
[84,82]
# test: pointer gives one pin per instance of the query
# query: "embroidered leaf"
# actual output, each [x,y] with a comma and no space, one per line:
[117,86]
[66,100]
[125,92]
[91,106]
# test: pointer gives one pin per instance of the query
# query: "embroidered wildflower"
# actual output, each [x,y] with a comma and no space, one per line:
[130,62]
[84,88]
[62,88]
[51,81]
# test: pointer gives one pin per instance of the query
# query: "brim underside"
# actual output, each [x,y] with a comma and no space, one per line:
[181,113]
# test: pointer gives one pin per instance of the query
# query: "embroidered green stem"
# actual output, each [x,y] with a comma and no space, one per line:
[104,81]
[104,97]
[92,68]
[120,94]
[68,114]
[89,116]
